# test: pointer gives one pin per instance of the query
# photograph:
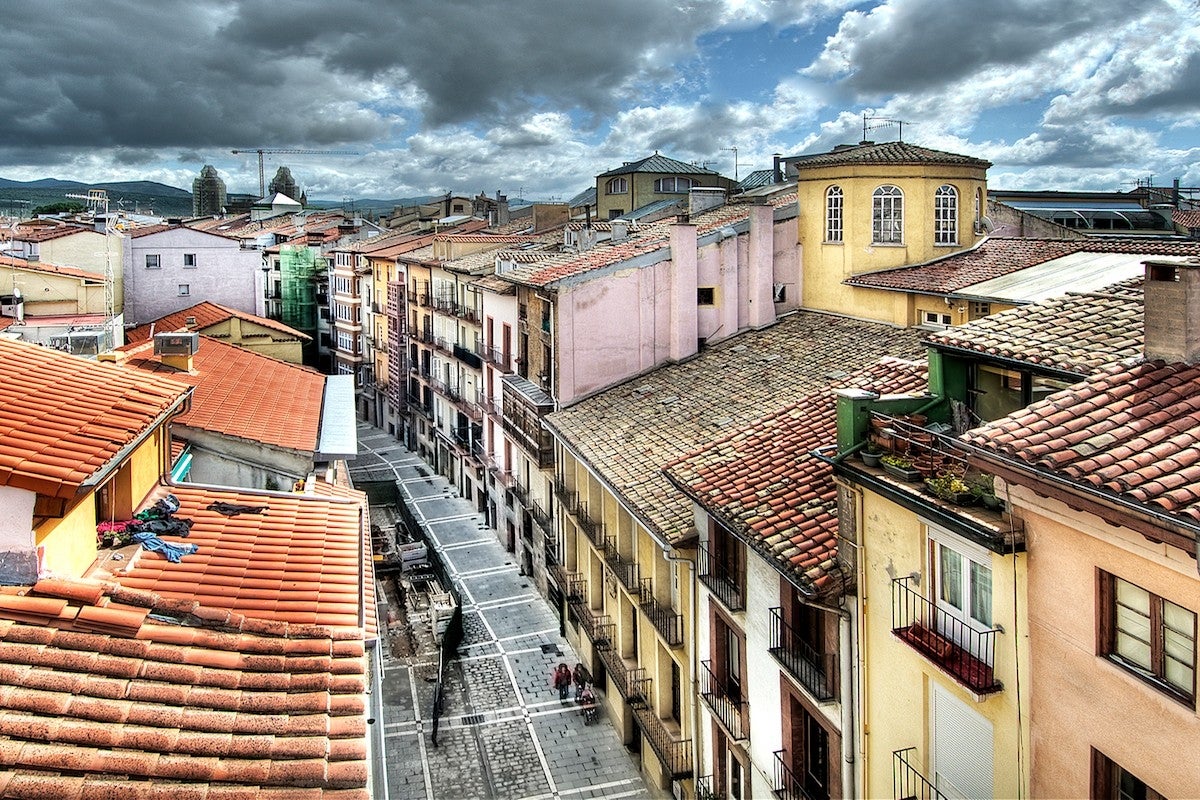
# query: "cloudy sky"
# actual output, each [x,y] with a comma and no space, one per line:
[534,97]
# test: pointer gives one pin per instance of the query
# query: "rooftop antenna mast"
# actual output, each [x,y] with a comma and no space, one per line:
[735,161]
[97,202]
[875,123]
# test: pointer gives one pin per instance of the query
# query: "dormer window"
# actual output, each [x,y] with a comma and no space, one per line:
[887,216]
[673,185]
[617,186]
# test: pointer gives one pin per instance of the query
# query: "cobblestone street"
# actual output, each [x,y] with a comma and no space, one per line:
[504,732]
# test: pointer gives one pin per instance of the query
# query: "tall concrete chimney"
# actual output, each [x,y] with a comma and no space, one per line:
[762,265]
[1171,311]
[685,314]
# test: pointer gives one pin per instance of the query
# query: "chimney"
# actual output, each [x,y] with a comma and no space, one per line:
[177,350]
[1171,311]
[761,256]
[777,168]
[685,314]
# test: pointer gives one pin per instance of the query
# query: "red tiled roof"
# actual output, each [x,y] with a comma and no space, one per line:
[1188,219]
[52,269]
[1132,432]
[995,257]
[301,562]
[111,692]
[884,153]
[206,314]
[1077,333]
[63,418]
[244,394]
[765,485]
[147,230]
[44,234]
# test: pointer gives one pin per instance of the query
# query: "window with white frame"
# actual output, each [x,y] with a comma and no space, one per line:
[834,200]
[945,215]
[616,186]
[1150,636]
[887,216]
[673,185]
[936,318]
[962,582]
[189,260]
[153,261]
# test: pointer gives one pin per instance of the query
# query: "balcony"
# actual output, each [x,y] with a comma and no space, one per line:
[787,785]
[675,754]
[565,580]
[814,670]
[540,516]
[907,781]
[521,491]
[726,703]
[591,528]
[625,569]
[596,626]
[627,679]
[568,499]
[705,790]
[498,358]
[550,550]
[964,652]
[726,585]
[665,620]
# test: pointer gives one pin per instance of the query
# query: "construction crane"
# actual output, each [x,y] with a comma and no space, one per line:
[262,182]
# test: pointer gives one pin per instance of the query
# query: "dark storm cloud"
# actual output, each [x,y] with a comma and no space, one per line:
[915,45]
[308,73]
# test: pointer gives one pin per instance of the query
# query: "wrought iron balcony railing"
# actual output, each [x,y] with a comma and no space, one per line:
[957,647]
[591,528]
[674,754]
[626,678]
[705,790]
[907,781]
[726,585]
[787,785]
[540,516]
[666,621]
[626,569]
[814,670]
[726,702]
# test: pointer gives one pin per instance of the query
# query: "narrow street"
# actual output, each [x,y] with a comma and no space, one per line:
[504,732]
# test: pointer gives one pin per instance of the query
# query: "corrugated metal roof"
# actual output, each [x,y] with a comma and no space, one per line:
[1077,272]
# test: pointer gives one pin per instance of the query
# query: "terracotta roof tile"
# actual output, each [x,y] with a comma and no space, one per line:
[629,433]
[62,418]
[892,153]
[207,314]
[1114,450]
[174,725]
[243,394]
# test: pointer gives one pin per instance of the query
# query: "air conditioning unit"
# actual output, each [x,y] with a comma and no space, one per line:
[176,344]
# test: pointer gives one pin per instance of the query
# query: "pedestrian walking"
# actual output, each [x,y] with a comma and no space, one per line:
[590,710]
[562,681]
[581,677]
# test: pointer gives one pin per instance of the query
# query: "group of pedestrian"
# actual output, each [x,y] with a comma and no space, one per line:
[564,677]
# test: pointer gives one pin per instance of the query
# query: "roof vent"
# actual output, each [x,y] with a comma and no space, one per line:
[176,344]
[189,320]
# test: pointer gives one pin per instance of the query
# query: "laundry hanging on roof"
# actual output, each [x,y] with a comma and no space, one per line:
[233,509]
[163,508]
[172,552]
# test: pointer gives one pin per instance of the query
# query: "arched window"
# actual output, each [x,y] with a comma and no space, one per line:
[887,216]
[833,214]
[945,215]
[673,185]
[617,186]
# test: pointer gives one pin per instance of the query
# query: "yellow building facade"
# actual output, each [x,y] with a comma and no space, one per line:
[872,207]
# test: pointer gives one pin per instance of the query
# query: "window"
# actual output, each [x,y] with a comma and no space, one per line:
[673,185]
[616,186]
[980,310]
[613,213]
[1111,781]
[1150,636]
[833,214]
[887,216]
[945,215]
[185,289]
[963,584]
[706,295]
[936,318]
[189,260]
[153,261]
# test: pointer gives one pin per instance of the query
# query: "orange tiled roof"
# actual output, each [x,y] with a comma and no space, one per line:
[996,257]
[25,233]
[107,691]
[301,562]
[767,487]
[244,394]
[206,314]
[63,418]
[1130,432]
[1188,219]
[52,269]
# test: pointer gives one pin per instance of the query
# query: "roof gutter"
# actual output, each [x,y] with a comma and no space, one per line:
[1015,363]
[181,405]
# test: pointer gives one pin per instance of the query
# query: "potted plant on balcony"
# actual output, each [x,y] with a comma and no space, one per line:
[983,487]
[951,488]
[871,454]
[900,467]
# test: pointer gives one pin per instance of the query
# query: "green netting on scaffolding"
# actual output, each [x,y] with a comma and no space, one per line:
[299,267]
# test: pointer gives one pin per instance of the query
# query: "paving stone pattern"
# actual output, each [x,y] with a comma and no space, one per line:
[504,732]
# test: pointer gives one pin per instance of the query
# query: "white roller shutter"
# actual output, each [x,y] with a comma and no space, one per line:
[963,749]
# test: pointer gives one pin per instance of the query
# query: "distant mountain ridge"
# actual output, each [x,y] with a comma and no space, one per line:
[141,187]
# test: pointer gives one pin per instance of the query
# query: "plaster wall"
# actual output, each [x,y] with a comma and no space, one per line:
[1081,700]
[224,274]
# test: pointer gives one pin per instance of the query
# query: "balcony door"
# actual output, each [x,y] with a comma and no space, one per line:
[962,588]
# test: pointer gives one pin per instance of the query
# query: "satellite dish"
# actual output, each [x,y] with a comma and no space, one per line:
[984,225]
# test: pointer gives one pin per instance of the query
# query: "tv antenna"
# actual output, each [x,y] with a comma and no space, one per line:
[735,161]
[262,182]
[875,123]
[97,201]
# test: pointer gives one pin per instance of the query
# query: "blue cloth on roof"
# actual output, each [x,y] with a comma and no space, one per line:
[172,552]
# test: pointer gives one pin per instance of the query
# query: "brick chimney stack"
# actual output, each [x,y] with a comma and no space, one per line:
[1171,311]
